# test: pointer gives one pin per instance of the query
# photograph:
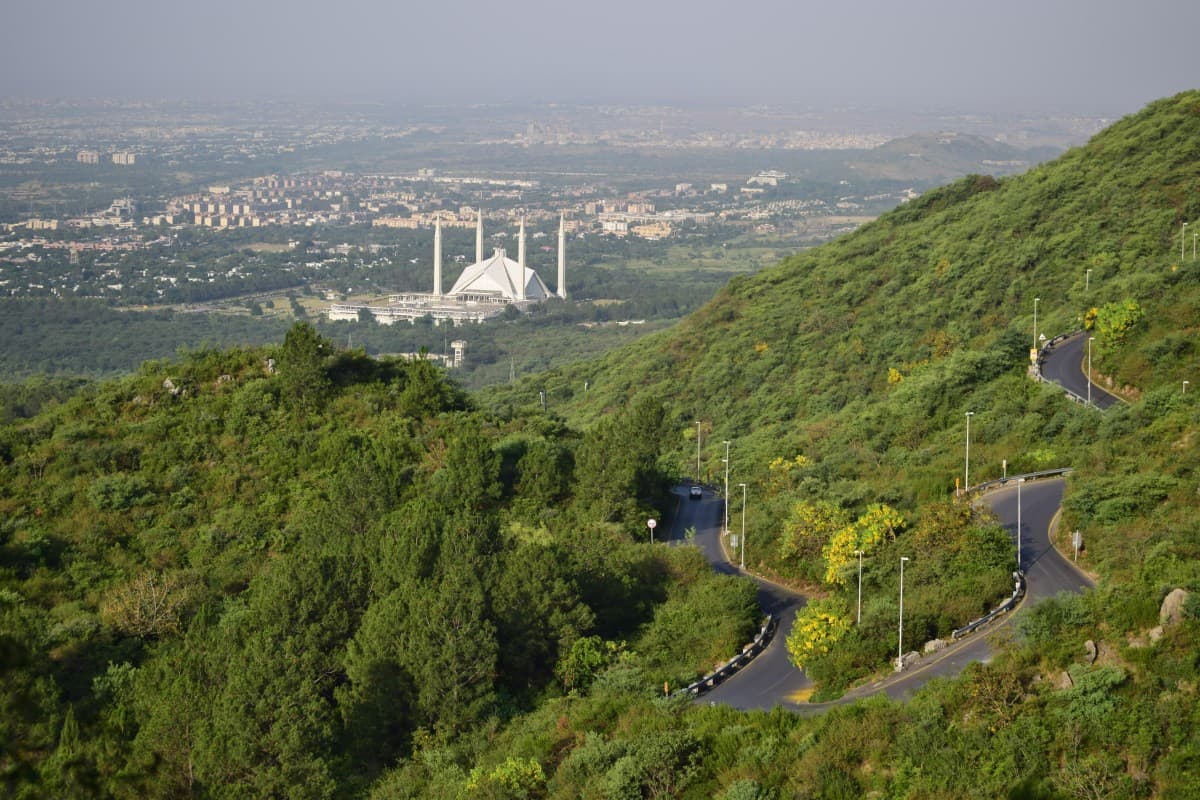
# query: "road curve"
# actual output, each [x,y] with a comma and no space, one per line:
[771,680]
[1065,364]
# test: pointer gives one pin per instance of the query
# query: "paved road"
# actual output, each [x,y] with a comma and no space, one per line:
[771,680]
[1066,365]
[1048,572]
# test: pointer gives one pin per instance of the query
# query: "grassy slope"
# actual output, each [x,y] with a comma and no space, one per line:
[797,358]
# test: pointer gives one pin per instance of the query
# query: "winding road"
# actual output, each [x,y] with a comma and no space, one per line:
[770,680]
[1064,364]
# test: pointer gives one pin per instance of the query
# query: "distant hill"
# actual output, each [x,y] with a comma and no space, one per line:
[864,354]
[944,156]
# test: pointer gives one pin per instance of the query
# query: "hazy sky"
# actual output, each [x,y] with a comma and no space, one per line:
[1102,56]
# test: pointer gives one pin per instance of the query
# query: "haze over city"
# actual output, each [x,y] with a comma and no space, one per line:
[1107,57]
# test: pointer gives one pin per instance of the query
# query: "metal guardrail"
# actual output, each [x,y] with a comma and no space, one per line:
[1029,476]
[714,678]
[1036,371]
[1003,608]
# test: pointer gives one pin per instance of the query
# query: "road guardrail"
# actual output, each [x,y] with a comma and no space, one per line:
[714,678]
[1003,608]
[1036,371]
[1029,476]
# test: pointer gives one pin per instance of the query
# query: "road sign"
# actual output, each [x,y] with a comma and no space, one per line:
[651,524]
[1077,542]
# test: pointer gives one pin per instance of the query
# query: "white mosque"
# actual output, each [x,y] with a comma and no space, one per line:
[484,289]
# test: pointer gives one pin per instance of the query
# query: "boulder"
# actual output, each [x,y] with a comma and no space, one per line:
[1171,612]
[1063,681]
[934,645]
[1092,651]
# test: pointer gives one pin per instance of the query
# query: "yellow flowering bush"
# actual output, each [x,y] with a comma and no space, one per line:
[818,627]
[878,524]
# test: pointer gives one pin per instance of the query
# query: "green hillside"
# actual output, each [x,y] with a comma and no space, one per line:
[295,572]
[273,572]
[864,355]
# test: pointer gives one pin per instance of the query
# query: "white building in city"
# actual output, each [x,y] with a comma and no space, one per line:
[484,289]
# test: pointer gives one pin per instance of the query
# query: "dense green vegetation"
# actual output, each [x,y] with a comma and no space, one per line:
[842,377]
[863,355]
[217,579]
[346,578]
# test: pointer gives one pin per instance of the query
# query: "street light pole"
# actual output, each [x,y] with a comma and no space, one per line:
[742,565]
[1087,281]
[697,451]
[1036,300]
[1185,385]
[1019,482]
[859,553]
[900,640]
[726,486]
[1182,241]
[967,469]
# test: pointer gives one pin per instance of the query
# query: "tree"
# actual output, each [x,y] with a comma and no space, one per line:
[450,649]
[878,524]
[617,463]
[302,367]
[808,529]
[273,726]
[817,629]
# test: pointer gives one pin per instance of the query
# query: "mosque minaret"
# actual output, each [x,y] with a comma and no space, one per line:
[483,290]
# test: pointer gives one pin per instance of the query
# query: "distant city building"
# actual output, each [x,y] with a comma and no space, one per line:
[769,177]
[719,188]
[125,159]
[87,157]
[652,231]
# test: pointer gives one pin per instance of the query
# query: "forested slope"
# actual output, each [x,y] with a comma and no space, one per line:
[345,578]
[272,572]
[864,355]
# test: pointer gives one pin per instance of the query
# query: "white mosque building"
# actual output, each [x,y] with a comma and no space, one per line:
[484,289]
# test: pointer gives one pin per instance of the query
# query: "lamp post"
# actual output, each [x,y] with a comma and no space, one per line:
[1194,235]
[742,564]
[697,451]
[900,640]
[1185,385]
[1182,241]
[967,468]
[726,486]
[859,553]
[1036,300]
[1019,482]
[1087,281]
[1089,375]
